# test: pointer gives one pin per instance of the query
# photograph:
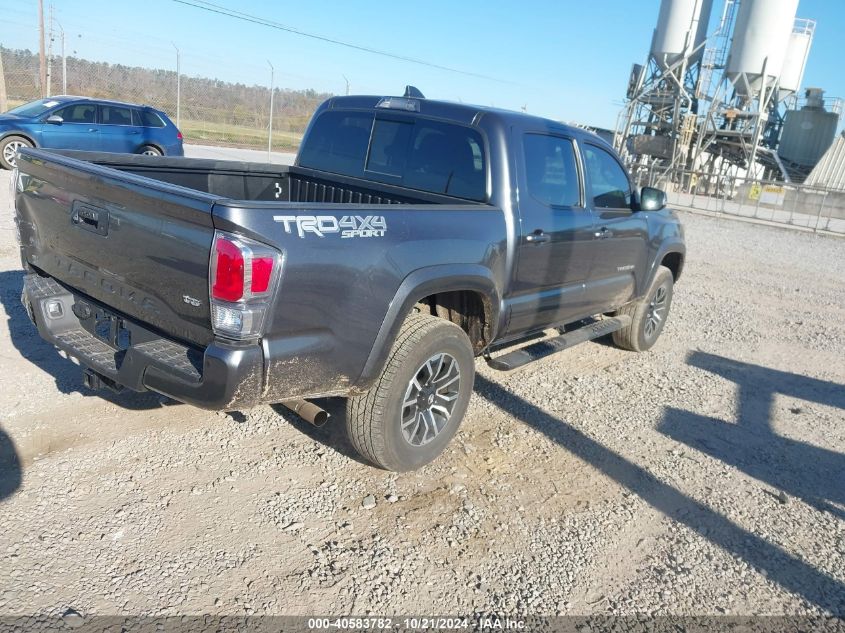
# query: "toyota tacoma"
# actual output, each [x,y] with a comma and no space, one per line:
[410,237]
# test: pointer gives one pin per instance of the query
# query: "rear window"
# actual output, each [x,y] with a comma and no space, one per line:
[338,142]
[415,153]
[150,119]
[389,149]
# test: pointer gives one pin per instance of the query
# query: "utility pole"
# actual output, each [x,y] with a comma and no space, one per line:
[2,84]
[53,21]
[270,135]
[42,61]
[347,84]
[64,63]
[178,87]
[50,39]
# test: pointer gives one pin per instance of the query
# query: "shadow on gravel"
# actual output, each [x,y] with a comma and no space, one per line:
[10,466]
[788,571]
[33,348]
[329,434]
[812,473]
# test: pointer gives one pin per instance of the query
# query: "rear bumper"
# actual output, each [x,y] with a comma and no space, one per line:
[220,377]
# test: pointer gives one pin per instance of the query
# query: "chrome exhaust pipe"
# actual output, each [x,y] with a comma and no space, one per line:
[308,411]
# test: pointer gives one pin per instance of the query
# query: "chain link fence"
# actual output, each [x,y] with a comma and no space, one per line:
[209,111]
[810,207]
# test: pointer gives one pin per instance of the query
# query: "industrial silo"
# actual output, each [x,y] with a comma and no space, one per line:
[808,132]
[797,52]
[681,29]
[762,27]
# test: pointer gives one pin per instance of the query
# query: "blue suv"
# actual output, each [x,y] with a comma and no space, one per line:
[87,124]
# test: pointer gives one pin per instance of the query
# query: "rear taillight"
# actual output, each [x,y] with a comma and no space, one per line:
[228,272]
[262,274]
[179,135]
[243,277]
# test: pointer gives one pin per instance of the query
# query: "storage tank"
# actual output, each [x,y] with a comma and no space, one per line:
[797,52]
[762,28]
[681,27]
[808,132]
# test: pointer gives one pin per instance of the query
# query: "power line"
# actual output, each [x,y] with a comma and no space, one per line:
[215,8]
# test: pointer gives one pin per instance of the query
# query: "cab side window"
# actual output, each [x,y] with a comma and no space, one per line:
[551,170]
[609,185]
[79,113]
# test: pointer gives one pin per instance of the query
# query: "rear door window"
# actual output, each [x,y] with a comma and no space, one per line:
[446,158]
[77,113]
[609,184]
[551,170]
[115,115]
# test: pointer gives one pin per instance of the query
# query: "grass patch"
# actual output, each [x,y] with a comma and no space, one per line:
[228,134]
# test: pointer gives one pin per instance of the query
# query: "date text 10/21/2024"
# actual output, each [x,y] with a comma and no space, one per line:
[490,623]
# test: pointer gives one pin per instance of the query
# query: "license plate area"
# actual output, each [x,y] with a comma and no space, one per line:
[118,332]
[111,330]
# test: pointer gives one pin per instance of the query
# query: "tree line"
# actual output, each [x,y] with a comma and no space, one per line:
[202,98]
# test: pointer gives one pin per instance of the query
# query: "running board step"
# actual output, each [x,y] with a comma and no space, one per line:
[536,351]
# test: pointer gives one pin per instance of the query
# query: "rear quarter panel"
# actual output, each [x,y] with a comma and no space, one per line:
[166,139]
[336,291]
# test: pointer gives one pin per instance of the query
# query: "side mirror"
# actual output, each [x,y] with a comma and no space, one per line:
[55,119]
[652,199]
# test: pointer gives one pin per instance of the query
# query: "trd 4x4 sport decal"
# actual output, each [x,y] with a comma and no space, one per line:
[322,225]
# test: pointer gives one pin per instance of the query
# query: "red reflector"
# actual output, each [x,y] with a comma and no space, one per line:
[229,272]
[262,271]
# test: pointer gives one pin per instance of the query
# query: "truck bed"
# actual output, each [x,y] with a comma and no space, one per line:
[150,246]
[238,180]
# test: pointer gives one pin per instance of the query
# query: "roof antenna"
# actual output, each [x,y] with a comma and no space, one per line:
[411,91]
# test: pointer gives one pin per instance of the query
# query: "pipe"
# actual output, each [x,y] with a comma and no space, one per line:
[308,411]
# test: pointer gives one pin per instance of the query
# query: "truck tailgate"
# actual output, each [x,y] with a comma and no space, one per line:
[138,245]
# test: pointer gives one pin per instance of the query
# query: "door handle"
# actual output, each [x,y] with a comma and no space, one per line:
[603,233]
[537,237]
[92,129]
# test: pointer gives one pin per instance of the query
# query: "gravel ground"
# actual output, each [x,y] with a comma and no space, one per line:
[704,477]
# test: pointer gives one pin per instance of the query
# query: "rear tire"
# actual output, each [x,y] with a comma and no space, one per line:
[150,150]
[418,402]
[648,315]
[8,147]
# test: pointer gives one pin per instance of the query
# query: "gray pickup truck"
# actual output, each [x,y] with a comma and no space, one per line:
[410,237]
